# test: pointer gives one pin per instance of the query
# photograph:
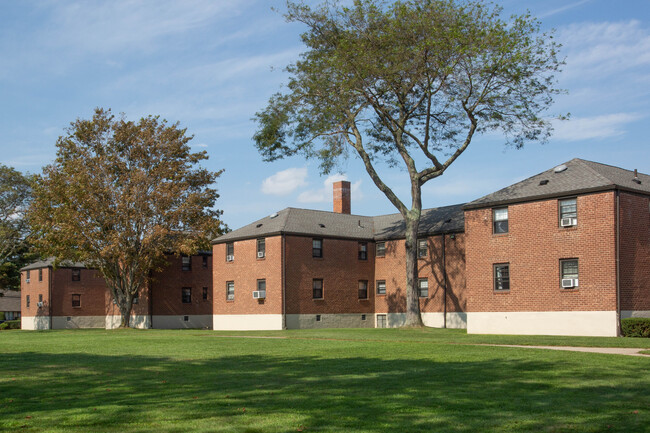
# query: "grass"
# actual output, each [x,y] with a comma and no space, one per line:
[374,380]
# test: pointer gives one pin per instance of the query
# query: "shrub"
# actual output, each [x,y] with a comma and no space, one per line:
[2,315]
[10,324]
[636,327]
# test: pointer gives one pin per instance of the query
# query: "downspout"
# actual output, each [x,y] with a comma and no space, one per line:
[444,279]
[150,301]
[49,292]
[618,263]
[283,269]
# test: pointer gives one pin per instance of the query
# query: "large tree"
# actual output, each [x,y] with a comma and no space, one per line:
[409,83]
[15,195]
[122,194]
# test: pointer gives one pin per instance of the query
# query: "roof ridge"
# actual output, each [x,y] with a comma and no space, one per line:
[585,164]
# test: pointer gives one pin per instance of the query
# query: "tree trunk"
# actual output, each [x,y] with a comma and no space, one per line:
[413,317]
[125,311]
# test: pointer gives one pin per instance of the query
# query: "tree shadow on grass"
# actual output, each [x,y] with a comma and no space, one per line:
[84,392]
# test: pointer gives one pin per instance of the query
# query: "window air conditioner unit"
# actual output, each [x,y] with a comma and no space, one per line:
[568,283]
[259,294]
[40,304]
[260,254]
[568,222]
[230,258]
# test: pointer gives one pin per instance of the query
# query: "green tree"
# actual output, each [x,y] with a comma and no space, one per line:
[409,83]
[119,196]
[15,195]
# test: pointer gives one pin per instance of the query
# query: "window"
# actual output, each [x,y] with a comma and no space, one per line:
[136,298]
[381,320]
[423,248]
[317,289]
[363,289]
[76,301]
[381,249]
[569,273]
[205,293]
[502,277]
[186,296]
[381,287]
[27,300]
[317,248]
[261,248]
[230,290]
[27,276]
[363,250]
[186,263]
[76,274]
[363,317]
[230,251]
[40,298]
[423,288]
[205,261]
[318,317]
[40,275]
[500,220]
[261,286]
[568,212]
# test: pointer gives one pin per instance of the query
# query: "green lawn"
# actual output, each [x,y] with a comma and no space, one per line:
[373,380]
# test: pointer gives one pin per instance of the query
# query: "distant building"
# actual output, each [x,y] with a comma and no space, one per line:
[73,296]
[10,304]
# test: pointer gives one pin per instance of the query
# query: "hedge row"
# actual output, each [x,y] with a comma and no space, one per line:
[635,327]
[10,324]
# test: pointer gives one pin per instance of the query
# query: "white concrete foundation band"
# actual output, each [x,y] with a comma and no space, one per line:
[578,323]
[247,322]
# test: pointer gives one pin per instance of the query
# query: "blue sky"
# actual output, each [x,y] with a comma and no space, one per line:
[211,64]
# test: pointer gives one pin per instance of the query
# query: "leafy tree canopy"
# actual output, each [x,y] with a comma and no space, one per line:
[410,83]
[15,195]
[122,194]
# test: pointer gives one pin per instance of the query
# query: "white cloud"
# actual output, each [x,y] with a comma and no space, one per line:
[563,8]
[325,194]
[604,126]
[284,182]
[604,49]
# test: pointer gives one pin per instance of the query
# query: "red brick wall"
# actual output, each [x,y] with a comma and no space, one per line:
[635,252]
[91,286]
[392,269]
[33,289]
[167,285]
[245,270]
[533,247]
[339,268]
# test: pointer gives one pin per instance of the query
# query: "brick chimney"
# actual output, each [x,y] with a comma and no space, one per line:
[342,197]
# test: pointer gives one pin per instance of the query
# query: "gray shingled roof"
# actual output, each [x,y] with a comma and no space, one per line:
[331,224]
[50,262]
[10,300]
[580,176]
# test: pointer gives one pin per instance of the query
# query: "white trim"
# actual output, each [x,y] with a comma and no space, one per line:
[247,322]
[178,321]
[626,314]
[578,323]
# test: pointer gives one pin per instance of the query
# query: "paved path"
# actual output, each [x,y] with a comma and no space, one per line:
[610,350]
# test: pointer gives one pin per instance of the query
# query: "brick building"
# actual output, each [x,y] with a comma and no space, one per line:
[73,296]
[565,252]
[301,268]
